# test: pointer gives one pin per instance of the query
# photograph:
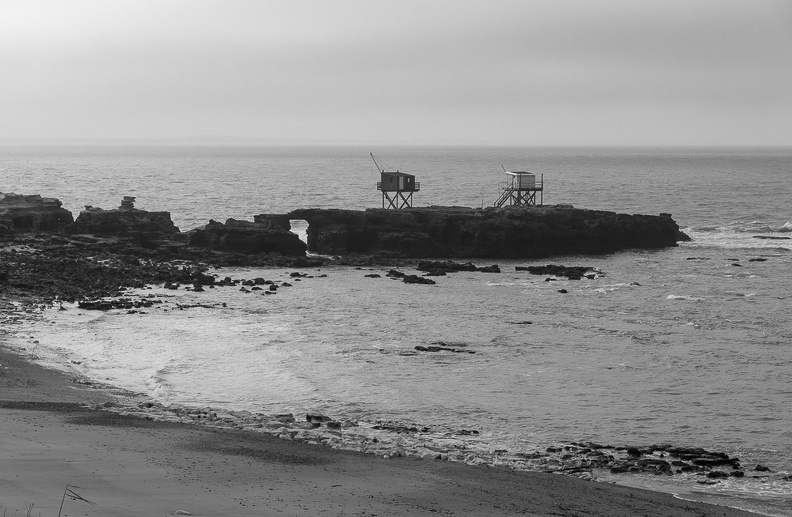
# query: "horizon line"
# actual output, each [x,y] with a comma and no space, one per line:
[233,140]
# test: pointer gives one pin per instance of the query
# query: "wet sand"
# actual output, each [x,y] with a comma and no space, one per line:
[134,467]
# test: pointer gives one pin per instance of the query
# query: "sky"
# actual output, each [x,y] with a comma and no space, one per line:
[516,72]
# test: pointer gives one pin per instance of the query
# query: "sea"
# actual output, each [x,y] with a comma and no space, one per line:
[689,345]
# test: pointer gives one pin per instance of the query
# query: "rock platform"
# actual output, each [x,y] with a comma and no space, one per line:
[413,233]
[460,232]
[30,213]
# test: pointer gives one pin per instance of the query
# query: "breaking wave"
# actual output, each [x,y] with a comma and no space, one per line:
[742,235]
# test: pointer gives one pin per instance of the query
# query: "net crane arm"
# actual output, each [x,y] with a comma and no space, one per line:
[380,167]
[377,164]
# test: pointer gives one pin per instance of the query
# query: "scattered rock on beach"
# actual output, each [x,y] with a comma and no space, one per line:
[395,439]
[119,303]
[435,272]
[317,420]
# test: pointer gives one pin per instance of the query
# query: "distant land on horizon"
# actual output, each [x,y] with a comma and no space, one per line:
[249,141]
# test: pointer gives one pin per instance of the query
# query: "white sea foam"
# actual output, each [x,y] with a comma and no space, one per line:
[730,239]
[614,287]
[684,297]
[737,294]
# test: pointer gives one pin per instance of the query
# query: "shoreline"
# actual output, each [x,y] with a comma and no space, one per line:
[133,466]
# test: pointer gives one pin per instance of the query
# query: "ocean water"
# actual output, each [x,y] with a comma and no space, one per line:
[688,345]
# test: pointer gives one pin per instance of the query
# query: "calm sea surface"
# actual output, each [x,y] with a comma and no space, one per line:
[689,345]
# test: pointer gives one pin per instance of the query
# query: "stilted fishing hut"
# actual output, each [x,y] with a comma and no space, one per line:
[520,189]
[397,187]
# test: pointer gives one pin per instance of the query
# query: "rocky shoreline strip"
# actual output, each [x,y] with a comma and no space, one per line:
[394,439]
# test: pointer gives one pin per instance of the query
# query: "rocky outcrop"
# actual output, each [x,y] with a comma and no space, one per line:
[267,234]
[438,268]
[568,272]
[32,213]
[58,270]
[143,227]
[457,232]
[374,234]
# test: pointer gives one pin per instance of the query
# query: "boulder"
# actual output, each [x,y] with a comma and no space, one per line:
[415,279]
[717,474]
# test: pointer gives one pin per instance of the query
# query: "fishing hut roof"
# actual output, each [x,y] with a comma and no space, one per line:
[396,173]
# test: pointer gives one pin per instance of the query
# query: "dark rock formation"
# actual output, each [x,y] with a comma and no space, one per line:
[570,272]
[410,279]
[436,268]
[373,236]
[273,221]
[118,303]
[69,273]
[396,427]
[127,203]
[268,234]
[663,460]
[415,279]
[442,348]
[145,228]
[33,213]
[512,232]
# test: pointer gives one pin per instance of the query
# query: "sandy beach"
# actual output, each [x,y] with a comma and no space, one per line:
[135,467]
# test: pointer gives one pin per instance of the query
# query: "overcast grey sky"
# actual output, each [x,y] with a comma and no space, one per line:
[567,72]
